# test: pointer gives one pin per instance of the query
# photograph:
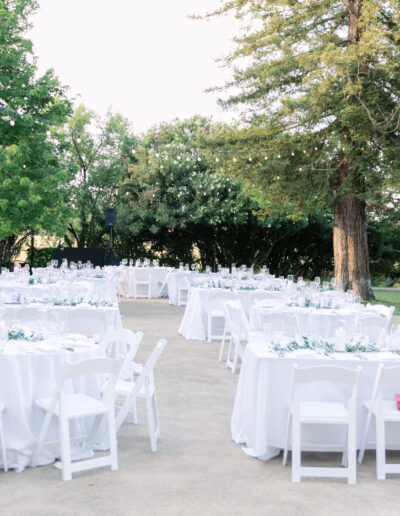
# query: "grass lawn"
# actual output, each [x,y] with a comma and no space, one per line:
[388,298]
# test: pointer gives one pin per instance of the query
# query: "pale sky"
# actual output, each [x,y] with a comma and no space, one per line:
[143,58]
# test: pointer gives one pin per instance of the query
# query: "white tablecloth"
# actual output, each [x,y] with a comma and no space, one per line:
[80,318]
[176,280]
[28,375]
[126,277]
[67,287]
[263,392]
[317,322]
[194,322]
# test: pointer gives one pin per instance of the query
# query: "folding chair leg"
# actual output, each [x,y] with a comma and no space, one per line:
[286,450]
[3,446]
[65,448]
[157,421]
[296,451]
[380,449]
[364,441]
[123,412]
[151,422]
[134,412]
[113,440]
[352,453]
[345,455]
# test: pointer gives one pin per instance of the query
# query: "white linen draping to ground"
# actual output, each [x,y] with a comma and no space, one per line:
[80,318]
[66,288]
[263,392]
[175,281]
[126,278]
[321,322]
[194,322]
[31,370]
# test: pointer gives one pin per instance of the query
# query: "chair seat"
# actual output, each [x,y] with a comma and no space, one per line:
[77,405]
[389,409]
[215,312]
[123,388]
[323,412]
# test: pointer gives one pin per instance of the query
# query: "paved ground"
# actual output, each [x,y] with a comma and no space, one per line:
[198,469]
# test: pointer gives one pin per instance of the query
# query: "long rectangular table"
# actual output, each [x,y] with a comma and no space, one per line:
[262,398]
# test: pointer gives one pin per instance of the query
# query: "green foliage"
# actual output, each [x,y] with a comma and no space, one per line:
[319,98]
[42,256]
[31,178]
[95,153]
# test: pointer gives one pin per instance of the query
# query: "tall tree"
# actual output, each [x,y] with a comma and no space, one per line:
[31,178]
[319,87]
[94,151]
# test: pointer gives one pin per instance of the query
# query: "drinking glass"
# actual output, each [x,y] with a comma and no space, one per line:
[317,280]
[193,267]
[290,277]
[333,282]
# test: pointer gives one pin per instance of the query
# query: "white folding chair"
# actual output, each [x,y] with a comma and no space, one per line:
[124,344]
[323,412]
[2,442]
[285,324]
[384,411]
[216,311]
[374,327]
[79,405]
[162,291]
[385,311]
[238,327]
[142,278]
[183,290]
[142,387]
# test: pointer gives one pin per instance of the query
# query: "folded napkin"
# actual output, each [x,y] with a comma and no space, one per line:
[397,399]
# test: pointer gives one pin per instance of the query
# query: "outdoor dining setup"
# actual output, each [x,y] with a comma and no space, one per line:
[64,360]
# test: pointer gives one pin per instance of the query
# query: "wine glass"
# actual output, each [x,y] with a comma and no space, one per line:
[333,282]
[317,280]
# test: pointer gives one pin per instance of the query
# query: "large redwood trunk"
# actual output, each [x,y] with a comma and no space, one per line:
[350,247]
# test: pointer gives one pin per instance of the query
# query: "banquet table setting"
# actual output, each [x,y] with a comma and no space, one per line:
[30,367]
[260,410]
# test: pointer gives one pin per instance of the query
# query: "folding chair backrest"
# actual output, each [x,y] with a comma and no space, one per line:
[149,365]
[326,374]
[336,374]
[236,318]
[385,311]
[384,375]
[286,323]
[217,298]
[121,340]
[374,327]
[142,274]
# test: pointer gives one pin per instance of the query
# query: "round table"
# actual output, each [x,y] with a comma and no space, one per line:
[31,370]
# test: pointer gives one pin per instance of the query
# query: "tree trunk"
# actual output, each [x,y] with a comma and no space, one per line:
[350,247]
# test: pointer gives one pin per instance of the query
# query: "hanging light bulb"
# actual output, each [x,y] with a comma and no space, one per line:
[292,153]
[133,151]
[157,155]
[48,133]
[304,151]
[198,158]
[12,122]
[234,159]
[217,159]
[279,155]
[250,158]
[266,157]
[179,156]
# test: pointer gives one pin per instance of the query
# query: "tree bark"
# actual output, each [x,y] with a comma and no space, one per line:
[350,247]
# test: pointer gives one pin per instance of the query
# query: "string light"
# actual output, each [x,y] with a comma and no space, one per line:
[157,155]
[12,122]
[234,159]
[250,158]
[266,157]
[133,151]
[279,156]
[217,159]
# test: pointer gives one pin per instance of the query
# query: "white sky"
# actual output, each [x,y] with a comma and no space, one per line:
[143,58]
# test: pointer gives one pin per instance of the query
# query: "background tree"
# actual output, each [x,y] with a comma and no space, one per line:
[176,204]
[95,153]
[318,84]
[31,178]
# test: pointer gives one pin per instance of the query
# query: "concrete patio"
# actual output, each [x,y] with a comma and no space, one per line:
[198,469]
